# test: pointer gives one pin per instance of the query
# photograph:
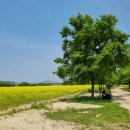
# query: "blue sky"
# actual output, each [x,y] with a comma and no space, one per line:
[29,33]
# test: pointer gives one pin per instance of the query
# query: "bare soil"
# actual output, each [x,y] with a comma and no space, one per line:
[65,105]
[34,120]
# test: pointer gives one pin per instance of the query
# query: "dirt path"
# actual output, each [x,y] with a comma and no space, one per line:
[123,97]
[34,120]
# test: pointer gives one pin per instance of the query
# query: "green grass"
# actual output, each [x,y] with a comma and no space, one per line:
[104,117]
[15,96]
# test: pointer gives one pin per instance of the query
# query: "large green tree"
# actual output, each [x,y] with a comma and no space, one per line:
[92,49]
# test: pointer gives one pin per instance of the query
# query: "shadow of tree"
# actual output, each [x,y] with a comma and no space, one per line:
[125,89]
[85,99]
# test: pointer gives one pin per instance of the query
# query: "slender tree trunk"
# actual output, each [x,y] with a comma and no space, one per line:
[100,88]
[129,85]
[92,82]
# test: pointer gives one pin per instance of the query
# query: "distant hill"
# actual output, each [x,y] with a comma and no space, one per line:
[44,83]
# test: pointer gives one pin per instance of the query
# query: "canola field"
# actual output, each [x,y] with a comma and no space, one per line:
[15,96]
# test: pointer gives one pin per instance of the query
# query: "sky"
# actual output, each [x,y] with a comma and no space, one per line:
[29,33]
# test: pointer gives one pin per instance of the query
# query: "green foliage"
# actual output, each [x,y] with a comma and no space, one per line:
[92,50]
[6,83]
[124,75]
[39,105]
[24,84]
[113,57]
[33,84]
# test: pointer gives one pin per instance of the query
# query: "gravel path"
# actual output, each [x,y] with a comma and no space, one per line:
[123,97]
[34,120]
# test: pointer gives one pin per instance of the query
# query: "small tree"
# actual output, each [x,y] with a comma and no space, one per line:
[88,47]
[124,75]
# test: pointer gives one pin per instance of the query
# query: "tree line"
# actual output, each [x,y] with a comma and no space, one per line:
[11,84]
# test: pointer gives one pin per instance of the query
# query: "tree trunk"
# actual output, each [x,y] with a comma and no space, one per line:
[92,82]
[129,85]
[100,88]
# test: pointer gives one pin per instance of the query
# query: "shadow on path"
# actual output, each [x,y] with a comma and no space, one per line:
[123,97]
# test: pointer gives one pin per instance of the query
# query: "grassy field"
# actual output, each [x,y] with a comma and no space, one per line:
[15,96]
[109,117]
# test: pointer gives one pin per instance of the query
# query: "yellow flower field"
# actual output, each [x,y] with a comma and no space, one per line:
[15,96]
